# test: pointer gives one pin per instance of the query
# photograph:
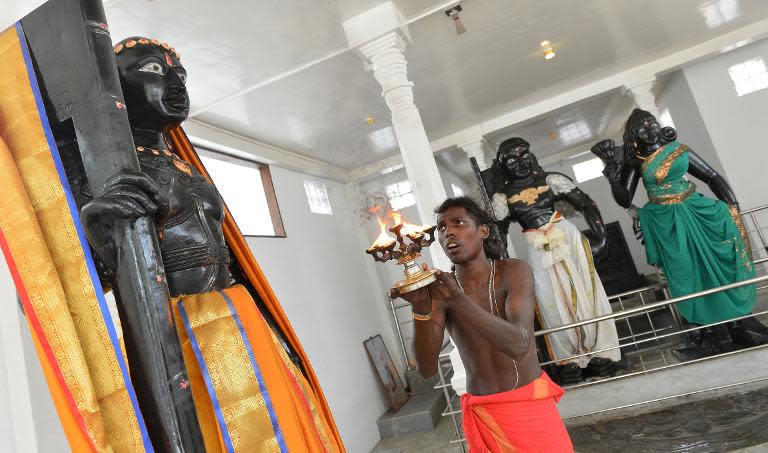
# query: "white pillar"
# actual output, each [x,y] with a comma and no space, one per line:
[386,56]
[643,95]
[390,68]
[478,149]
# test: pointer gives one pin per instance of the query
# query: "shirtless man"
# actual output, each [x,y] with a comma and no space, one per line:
[487,305]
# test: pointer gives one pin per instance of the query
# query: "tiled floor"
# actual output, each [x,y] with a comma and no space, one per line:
[435,441]
[715,425]
[726,424]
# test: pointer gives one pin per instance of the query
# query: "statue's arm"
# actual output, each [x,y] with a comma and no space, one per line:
[622,176]
[700,169]
[565,189]
[127,196]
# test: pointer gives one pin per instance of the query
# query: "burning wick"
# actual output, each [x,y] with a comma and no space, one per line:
[385,248]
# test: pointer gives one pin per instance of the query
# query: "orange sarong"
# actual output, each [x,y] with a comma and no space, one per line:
[521,420]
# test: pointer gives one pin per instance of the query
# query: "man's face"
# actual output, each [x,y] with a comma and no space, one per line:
[459,235]
[153,83]
[517,161]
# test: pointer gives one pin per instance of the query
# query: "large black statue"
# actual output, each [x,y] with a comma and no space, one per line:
[187,213]
[88,136]
[568,288]
[187,208]
[700,243]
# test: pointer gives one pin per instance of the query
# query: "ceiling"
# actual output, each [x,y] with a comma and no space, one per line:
[242,60]
[573,128]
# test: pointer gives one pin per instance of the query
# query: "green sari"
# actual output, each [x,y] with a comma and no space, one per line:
[694,240]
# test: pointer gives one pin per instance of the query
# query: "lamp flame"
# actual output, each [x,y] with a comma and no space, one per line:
[384,239]
[408,228]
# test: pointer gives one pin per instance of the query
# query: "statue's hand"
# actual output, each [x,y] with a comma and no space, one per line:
[129,196]
[606,151]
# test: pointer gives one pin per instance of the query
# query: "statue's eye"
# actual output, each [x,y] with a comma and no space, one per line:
[152,66]
[182,77]
[641,131]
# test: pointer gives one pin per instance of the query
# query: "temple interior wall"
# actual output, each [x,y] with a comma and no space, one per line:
[316,273]
[334,295]
[736,125]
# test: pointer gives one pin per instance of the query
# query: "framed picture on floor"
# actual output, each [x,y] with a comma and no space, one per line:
[385,368]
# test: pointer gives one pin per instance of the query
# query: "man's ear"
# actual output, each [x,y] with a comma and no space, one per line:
[484,231]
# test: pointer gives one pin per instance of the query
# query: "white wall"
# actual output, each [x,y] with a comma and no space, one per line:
[321,276]
[736,125]
[13,10]
[691,130]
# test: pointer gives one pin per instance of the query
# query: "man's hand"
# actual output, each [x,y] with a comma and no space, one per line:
[420,299]
[445,289]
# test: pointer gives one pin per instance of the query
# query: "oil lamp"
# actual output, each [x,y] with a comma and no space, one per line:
[385,248]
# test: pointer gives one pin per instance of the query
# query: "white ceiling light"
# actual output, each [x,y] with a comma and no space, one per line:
[719,12]
[549,51]
[453,13]
[575,132]
[383,140]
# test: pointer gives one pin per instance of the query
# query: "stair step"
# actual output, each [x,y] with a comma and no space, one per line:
[418,384]
[421,413]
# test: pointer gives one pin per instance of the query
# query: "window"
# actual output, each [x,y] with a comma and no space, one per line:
[247,190]
[457,192]
[749,76]
[400,195]
[317,196]
[575,132]
[589,169]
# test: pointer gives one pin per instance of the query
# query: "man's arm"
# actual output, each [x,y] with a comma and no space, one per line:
[428,339]
[511,336]
[428,334]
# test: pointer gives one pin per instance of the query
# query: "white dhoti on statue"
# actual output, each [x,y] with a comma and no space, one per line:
[568,290]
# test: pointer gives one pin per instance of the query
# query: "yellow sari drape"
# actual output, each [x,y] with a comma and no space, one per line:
[245,259]
[50,261]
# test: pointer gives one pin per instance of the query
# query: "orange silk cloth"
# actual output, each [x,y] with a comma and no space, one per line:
[250,268]
[523,420]
[49,260]
[248,394]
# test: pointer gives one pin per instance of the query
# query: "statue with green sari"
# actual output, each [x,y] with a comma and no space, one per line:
[700,243]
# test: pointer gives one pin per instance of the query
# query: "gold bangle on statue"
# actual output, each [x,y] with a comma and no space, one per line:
[733,209]
[423,316]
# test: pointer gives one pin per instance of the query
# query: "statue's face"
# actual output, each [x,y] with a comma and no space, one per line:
[517,161]
[153,82]
[648,132]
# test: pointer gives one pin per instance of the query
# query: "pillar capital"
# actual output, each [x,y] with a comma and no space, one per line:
[642,93]
[477,149]
[390,68]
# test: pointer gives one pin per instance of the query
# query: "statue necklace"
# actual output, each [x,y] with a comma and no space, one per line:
[492,306]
